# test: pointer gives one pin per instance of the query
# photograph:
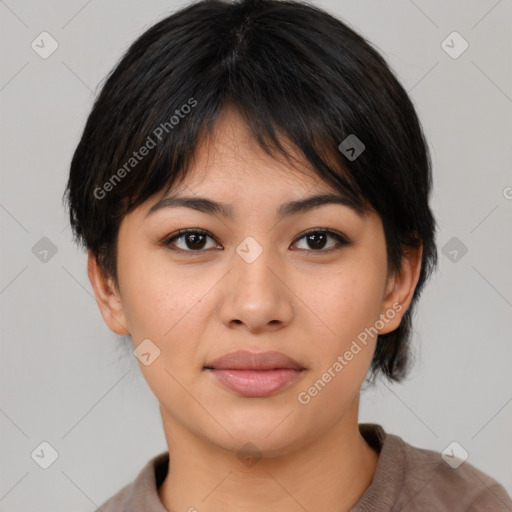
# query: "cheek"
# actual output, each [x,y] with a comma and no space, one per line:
[348,306]
[159,306]
[348,300]
[148,298]
[167,311]
[165,304]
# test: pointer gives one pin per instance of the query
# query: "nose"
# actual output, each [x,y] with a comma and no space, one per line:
[255,294]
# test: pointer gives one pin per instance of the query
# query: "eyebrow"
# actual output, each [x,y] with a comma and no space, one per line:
[211,207]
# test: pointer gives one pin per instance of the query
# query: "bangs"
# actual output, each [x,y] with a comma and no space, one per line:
[175,102]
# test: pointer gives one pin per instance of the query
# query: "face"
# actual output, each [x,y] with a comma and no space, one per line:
[306,284]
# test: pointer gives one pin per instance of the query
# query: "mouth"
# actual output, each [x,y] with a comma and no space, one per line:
[255,374]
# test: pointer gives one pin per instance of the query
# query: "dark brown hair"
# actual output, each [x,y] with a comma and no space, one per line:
[293,71]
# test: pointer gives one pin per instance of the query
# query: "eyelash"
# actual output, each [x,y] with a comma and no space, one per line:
[341,239]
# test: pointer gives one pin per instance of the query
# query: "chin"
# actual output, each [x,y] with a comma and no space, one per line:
[271,436]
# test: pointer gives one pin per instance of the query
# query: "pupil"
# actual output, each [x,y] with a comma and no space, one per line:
[315,244]
[194,237]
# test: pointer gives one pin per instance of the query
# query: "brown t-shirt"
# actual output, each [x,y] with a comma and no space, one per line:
[407,479]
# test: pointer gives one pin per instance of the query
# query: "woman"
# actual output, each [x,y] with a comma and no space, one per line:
[252,188]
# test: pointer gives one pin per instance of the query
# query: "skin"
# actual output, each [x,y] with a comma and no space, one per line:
[197,306]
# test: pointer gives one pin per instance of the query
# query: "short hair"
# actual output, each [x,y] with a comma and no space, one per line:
[292,71]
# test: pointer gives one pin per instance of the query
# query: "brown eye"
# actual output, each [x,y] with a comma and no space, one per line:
[317,240]
[196,240]
[193,240]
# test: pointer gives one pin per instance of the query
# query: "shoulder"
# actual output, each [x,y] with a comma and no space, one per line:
[412,479]
[446,483]
[142,493]
[118,502]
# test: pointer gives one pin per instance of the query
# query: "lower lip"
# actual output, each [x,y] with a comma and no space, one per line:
[254,383]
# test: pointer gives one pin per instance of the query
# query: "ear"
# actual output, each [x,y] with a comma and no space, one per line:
[107,297]
[400,289]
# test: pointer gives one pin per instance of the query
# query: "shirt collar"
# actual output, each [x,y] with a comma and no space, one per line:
[383,491]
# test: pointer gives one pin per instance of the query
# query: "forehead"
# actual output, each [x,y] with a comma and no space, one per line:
[230,170]
[231,153]
[230,167]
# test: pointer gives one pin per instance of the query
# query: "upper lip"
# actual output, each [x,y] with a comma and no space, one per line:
[244,360]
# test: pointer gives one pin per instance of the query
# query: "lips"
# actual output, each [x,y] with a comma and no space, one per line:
[244,360]
[255,375]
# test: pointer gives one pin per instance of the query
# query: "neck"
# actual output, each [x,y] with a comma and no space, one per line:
[330,473]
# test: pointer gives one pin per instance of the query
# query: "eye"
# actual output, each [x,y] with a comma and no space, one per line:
[194,240]
[317,238]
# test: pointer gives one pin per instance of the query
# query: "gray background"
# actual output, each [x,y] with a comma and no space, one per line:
[66,379]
